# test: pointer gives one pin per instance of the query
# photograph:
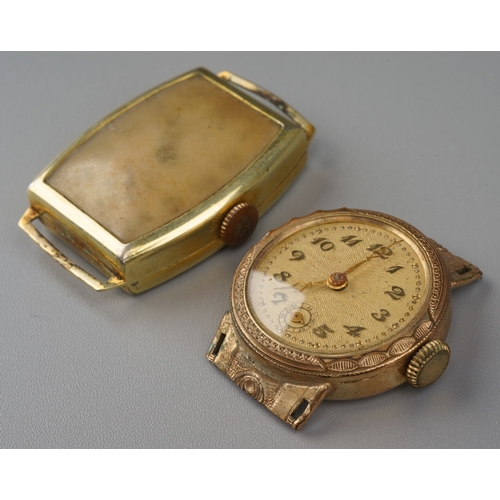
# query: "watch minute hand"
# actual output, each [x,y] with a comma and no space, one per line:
[378,253]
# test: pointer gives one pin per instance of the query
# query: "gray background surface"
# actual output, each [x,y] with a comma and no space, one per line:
[413,135]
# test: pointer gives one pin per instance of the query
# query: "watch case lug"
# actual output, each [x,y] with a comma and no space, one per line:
[461,271]
[292,402]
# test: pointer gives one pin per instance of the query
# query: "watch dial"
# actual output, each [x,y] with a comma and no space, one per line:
[343,285]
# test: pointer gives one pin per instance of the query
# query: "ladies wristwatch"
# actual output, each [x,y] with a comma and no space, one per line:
[339,304]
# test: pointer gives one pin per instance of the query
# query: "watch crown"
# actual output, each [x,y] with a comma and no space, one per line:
[238,224]
[428,363]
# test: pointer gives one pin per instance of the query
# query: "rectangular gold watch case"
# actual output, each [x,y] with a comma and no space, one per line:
[143,193]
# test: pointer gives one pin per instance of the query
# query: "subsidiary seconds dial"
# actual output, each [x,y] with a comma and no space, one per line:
[338,286]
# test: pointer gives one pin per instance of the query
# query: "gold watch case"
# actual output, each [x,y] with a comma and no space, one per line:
[168,179]
[339,304]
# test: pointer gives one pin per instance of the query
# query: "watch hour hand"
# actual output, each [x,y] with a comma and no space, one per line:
[304,285]
[339,281]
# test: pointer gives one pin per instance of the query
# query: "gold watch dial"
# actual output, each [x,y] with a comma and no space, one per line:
[340,285]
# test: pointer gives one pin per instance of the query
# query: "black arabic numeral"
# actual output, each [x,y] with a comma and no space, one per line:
[298,255]
[384,313]
[322,330]
[383,253]
[374,247]
[280,297]
[397,293]
[353,331]
[350,240]
[281,277]
[380,251]
[324,244]
[394,269]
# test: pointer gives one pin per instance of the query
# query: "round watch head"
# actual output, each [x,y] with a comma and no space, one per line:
[338,292]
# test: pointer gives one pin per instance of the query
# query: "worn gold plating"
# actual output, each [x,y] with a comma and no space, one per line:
[142,194]
[339,304]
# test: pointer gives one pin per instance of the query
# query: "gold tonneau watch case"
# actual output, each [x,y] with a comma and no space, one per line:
[169,178]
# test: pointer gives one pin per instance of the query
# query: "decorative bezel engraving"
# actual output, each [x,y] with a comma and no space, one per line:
[397,350]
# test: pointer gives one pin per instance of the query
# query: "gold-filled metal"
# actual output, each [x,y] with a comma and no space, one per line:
[340,304]
[142,195]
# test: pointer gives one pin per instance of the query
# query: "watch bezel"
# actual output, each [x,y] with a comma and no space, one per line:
[425,326]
